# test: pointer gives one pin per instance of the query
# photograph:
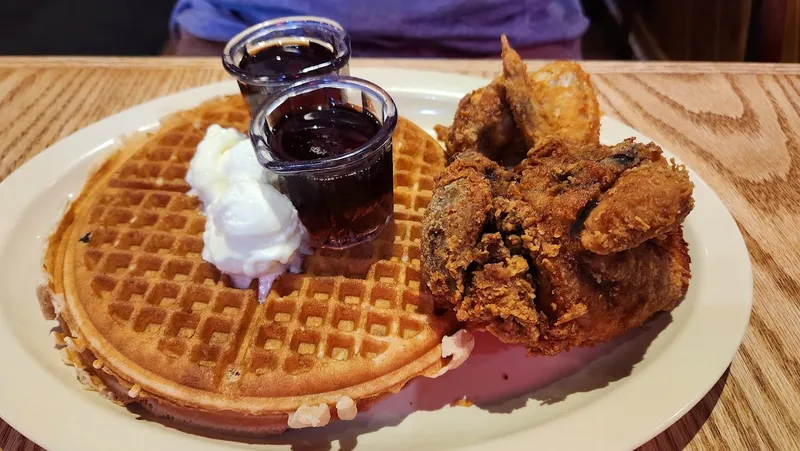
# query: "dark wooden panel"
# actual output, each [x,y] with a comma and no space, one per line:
[699,30]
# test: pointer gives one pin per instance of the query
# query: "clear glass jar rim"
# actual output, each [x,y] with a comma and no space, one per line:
[241,39]
[259,128]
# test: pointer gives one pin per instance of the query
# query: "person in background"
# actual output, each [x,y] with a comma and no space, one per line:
[546,29]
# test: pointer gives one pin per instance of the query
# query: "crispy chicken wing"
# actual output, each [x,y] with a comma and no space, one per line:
[482,123]
[519,90]
[519,109]
[645,203]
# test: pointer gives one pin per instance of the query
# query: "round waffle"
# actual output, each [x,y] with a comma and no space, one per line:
[145,319]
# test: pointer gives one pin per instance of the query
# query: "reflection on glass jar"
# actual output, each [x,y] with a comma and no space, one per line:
[267,57]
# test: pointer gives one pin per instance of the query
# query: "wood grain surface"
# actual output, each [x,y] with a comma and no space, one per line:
[737,125]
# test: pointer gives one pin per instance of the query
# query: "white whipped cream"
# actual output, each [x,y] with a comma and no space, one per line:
[252,230]
[459,346]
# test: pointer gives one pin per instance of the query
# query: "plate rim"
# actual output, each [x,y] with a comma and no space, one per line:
[396,80]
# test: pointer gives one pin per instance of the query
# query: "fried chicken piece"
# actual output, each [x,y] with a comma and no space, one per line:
[576,244]
[515,249]
[503,289]
[482,123]
[645,203]
[556,100]
[519,93]
[594,298]
[517,110]
[667,256]
[453,222]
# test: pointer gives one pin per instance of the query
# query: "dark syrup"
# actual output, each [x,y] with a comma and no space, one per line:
[286,58]
[323,132]
[341,209]
[285,61]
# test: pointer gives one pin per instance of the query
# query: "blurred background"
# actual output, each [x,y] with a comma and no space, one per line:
[709,30]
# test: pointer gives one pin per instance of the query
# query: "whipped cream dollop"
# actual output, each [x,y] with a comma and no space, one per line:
[459,346]
[252,230]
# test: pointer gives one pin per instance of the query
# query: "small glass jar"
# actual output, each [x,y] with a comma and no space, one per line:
[346,199]
[256,87]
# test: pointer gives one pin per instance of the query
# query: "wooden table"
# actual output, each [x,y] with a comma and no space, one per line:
[737,125]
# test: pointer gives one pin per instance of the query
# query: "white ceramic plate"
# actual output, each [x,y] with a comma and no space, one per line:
[615,396]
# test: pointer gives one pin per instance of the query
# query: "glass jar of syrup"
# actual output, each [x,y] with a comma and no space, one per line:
[267,57]
[329,141]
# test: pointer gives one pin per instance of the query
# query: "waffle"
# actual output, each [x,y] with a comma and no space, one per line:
[145,320]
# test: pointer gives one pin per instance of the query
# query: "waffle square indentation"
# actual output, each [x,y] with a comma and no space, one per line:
[426,183]
[171,222]
[116,263]
[271,336]
[116,216]
[320,289]
[305,342]
[402,179]
[412,277]
[206,274]
[195,299]
[346,317]
[421,202]
[149,170]
[416,232]
[164,294]
[378,324]
[387,273]
[159,154]
[229,302]
[149,320]
[340,346]
[131,240]
[158,243]
[216,331]
[143,219]
[383,297]
[102,237]
[351,292]
[147,266]
[174,172]
[402,200]
[157,200]
[312,313]
[183,202]
[288,285]
[189,247]
[177,270]
[91,257]
[132,290]
[280,310]
[182,324]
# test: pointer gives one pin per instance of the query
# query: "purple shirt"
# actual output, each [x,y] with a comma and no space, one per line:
[381,27]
